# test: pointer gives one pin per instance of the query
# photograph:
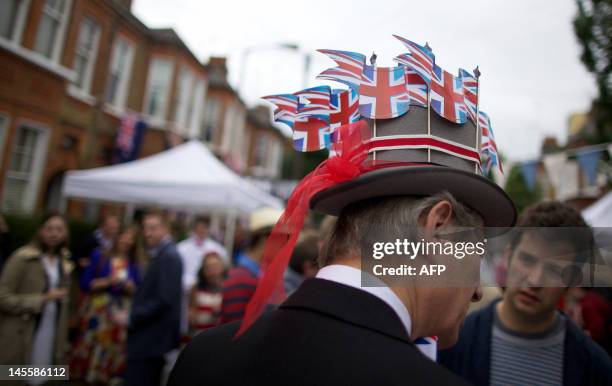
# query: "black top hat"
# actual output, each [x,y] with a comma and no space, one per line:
[442,158]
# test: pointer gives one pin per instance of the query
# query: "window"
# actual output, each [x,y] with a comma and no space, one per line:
[119,75]
[261,150]
[12,18]
[234,134]
[195,116]
[160,79]
[183,106]
[212,113]
[51,29]
[274,162]
[85,55]
[25,169]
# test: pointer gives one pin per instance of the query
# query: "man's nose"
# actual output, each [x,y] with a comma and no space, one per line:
[477,295]
[536,276]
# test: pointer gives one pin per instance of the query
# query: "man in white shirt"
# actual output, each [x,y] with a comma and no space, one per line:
[192,251]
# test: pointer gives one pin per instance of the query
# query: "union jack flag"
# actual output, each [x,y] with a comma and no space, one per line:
[310,134]
[344,110]
[318,99]
[421,59]
[286,108]
[470,93]
[129,138]
[447,98]
[488,147]
[428,346]
[417,88]
[383,92]
[350,67]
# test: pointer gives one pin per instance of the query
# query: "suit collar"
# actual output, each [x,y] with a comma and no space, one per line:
[348,304]
[355,277]
[157,250]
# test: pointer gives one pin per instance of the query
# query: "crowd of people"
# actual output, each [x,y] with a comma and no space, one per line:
[120,306]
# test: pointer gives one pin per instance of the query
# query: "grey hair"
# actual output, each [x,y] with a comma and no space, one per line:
[362,222]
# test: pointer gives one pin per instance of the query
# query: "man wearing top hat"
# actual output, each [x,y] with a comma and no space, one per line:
[333,330]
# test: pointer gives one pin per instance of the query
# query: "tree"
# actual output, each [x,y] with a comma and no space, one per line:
[593,28]
[518,190]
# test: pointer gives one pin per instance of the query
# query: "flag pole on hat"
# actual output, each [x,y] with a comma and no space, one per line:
[373,63]
[428,111]
[477,75]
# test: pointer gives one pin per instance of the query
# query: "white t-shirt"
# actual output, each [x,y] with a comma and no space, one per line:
[192,252]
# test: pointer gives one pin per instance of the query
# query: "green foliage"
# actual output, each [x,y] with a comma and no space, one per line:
[23,228]
[593,28]
[518,190]
[298,164]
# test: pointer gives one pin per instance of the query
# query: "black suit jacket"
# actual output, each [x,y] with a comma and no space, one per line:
[154,327]
[324,334]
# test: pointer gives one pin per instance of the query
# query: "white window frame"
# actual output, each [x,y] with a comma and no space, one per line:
[118,104]
[84,93]
[234,133]
[19,27]
[210,117]
[159,119]
[185,98]
[260,151]
[197,109]
[228,126]
[34,179]
[58,44]
[274,160]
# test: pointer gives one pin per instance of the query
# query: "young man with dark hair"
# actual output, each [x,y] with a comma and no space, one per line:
[522,339]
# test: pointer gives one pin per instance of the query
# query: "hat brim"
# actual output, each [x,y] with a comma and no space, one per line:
[473,190]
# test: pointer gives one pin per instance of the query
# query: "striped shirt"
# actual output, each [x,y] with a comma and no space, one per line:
[527,359]
[206,309]
[238,289]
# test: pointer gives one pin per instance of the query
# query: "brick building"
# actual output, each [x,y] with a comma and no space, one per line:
[70,70]
[266,149]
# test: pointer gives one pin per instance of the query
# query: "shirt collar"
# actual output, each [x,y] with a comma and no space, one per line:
[350,276]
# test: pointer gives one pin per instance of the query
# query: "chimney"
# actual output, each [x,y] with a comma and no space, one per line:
[217,69]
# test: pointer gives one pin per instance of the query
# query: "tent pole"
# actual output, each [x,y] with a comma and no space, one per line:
[230,230]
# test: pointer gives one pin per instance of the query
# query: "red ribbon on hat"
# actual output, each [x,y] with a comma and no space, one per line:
[347,164]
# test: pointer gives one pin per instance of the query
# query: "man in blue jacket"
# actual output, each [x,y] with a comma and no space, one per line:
[154,322]
[522,339]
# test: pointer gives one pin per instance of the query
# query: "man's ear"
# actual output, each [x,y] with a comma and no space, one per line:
[439,216]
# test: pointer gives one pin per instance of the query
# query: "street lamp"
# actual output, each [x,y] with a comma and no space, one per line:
[284,46]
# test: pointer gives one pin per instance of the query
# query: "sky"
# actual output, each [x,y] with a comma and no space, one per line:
[532,78]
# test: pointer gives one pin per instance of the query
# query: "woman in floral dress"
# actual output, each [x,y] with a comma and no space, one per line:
[109,282]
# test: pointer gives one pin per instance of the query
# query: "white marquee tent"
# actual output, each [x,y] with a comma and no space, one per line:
[599,214]
[186,177]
